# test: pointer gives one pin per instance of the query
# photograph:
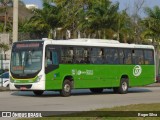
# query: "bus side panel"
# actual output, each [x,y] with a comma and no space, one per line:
[91,76]
[85,76]
[54,80]
[96,76]
[146,77]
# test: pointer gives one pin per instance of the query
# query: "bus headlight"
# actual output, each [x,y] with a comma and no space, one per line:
[39,78]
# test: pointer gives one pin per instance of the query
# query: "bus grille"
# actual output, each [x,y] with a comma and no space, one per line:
[26,86]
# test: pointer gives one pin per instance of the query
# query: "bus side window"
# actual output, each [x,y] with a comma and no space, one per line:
[54,58]
[97,55]
[149,56]
[127,56]
[116,57]
[48,58]
[121,56]
[67,56]
[138,57]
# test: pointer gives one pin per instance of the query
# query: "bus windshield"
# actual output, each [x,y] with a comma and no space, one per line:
[26,60]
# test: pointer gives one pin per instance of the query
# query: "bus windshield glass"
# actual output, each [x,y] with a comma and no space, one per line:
[26,58]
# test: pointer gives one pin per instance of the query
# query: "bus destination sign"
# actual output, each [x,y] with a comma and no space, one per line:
[27,45]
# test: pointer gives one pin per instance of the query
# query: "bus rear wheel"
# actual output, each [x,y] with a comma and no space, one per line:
[96,90]
[123,88]
[38,92]
[66,88]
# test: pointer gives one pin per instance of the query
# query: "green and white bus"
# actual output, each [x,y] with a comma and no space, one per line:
[63,65]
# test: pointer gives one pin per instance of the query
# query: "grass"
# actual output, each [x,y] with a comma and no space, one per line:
[101,114]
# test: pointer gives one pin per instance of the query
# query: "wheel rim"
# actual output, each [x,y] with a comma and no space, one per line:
[124,86]
[67,88]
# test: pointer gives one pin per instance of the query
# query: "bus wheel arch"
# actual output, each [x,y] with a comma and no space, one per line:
[67,86]
[70,78]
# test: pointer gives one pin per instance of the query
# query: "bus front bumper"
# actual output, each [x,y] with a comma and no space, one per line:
[28,86]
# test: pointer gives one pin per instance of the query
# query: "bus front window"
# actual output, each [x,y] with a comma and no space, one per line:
[26,61]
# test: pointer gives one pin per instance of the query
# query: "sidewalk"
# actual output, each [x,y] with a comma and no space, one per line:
[3,89]
[154,85]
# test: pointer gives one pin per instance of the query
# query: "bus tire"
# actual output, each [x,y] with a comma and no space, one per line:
[38,92]
[96,90]
[66,88]
[123,88]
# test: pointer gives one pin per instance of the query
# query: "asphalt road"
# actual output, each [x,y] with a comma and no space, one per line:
[81,100]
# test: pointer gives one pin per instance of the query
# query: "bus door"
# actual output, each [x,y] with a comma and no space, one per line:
[51,58]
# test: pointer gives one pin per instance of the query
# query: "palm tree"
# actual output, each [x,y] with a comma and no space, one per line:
[46,19]
[5,4]
[152,23]
[69,14]
[4,48]
[99,16]
[88,16]
[124,27]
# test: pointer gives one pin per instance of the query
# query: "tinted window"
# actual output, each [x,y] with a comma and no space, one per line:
[111,56]
[81,55]
[149,56]
[51,56]
[127,56]
[121,56]
[67,55]
[97,55]
[138,57]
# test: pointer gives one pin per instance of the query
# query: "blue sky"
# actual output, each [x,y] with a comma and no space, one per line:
[37,2]
[130,4]
[149,3]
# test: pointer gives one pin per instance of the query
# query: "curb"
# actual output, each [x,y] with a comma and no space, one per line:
[4,89]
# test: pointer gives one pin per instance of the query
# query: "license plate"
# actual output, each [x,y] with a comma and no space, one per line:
[23,88]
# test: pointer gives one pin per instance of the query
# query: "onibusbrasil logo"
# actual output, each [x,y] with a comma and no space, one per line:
[137,70]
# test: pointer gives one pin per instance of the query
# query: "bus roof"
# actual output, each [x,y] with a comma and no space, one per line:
[92,42]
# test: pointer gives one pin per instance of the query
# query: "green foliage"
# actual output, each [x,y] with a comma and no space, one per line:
[46,19]
[152,23]
[4,47]
[93,18]
[4,5]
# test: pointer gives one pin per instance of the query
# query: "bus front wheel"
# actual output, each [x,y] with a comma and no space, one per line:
[96,90]
[38,92]
[66,88]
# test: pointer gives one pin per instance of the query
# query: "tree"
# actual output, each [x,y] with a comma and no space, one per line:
[152,23]
[4,48]
[46,19]
[69,14]
[5,4]
[124,27]
[99,17]
[136,20]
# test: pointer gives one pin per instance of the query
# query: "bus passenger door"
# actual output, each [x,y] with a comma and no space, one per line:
[51,59]
[51,68]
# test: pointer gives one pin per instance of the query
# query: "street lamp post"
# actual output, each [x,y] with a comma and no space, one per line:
[1,59]
[15,20]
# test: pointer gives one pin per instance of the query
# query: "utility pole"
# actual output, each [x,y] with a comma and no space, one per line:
[15,20]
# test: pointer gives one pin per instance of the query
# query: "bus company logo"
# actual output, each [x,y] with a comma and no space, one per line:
[137,70]
[79,72]
[73,72]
